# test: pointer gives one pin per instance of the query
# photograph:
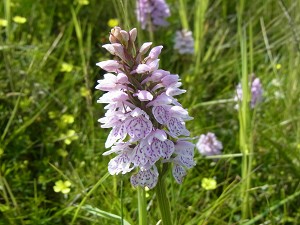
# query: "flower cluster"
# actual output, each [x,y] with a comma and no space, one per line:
[256,92]
[147,121]
[152,13]
[209,145]
[184,42]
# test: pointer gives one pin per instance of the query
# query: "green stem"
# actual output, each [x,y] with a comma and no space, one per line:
[163,201]
[183,16]
[142,206]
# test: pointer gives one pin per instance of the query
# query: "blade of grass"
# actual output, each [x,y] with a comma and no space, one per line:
[88,195]
[101,213]
[272,208]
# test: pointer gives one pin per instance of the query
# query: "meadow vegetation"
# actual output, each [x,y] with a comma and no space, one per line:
[51,166]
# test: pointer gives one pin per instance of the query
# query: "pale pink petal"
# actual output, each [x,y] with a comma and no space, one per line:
[170,80]
[125,35]
[108,83]
[133,34]
[178,111]
[119,51]
[145,47]
[154,53]
[172,91]
[122,78]
[113,96]
[156,76]
[118,148]
[160,134]
[109,48]
[138,112]
[144,95]
[161,99]
[109,65]
[143,68]
[154,65]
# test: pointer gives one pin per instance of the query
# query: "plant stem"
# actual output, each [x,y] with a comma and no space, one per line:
[142,206]
[245,129]
[163,201]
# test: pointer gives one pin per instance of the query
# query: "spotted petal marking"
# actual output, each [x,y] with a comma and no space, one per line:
[177,127]
[146,178]
[186,161]
[154,151]
[160,114]
[118,132]
[138,127]
[166,148]
[120,163]
[184,148]
[139,157]
[178,173]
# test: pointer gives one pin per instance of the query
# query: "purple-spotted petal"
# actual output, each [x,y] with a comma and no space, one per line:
[184,148]
[160,114]
[139,157]
[118,132]
[154,152]
[146,178]
[178,173]
[167,149]
[186,161]
[138,127]
[121,163]
[177,127]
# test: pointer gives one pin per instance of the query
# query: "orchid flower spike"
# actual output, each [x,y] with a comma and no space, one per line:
[146,120]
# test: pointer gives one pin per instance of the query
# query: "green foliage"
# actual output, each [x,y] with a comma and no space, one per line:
[48,112]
